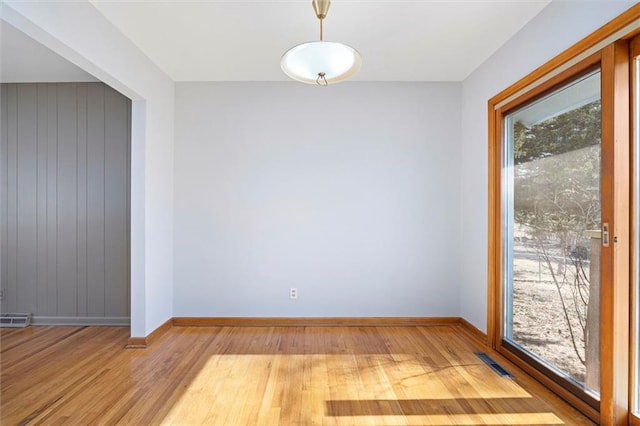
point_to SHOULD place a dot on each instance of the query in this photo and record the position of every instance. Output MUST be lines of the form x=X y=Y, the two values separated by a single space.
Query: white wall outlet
x=293 y=293
x=2 y=293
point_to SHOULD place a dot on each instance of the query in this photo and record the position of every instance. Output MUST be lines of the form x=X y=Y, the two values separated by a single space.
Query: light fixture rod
x=321 y=7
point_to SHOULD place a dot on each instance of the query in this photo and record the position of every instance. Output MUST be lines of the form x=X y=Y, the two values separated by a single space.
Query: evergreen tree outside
x=556 y=201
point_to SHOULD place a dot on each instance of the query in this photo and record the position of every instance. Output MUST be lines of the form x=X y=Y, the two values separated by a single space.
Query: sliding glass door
x=559 y=239
x=564 y=223
x=552 y=233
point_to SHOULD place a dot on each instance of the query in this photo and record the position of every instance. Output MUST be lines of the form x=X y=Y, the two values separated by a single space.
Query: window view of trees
x=556 y=240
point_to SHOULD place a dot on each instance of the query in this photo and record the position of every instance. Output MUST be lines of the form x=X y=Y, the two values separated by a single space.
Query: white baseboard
x=106 y=321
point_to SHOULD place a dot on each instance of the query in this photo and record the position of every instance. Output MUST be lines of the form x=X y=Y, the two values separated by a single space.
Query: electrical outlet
x=293 y=293
x=2 y=293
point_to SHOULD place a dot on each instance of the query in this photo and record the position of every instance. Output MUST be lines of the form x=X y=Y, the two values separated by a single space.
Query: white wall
x=360 y=195
x=349 y=193
x=557 y=27
x=80 y=34
x=24 y=60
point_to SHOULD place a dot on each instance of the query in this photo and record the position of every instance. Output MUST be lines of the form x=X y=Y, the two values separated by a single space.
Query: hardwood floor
x=264 y=376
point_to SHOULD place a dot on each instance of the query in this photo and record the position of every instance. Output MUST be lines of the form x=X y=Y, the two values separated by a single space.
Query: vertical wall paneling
x=41 y=197
x=26 y=167
x=116 y=217
x=65 y=200
x=4 y=165
x=81 y=200
x=128 y=209
x=12 y=196
x=52 y=200
x=95 y=199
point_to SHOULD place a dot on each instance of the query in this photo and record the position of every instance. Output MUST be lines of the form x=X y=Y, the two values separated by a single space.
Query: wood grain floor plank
x=269 y=376
x=12 y=337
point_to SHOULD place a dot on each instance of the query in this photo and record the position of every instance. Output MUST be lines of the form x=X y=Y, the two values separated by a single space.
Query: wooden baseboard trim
x=136 y=343
x=313 y=322
x=163 y=328
x=473 y=332
x=143 y=342
x=467 y=327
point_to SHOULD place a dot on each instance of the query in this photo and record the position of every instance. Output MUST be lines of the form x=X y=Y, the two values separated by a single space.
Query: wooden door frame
x=634 y=52
x=614 y=282
x=609 y=47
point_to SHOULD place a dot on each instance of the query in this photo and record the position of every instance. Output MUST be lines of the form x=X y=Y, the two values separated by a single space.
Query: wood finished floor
x=263 y=376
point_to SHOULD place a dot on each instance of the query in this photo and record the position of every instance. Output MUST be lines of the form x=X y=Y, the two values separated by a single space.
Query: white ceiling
x=213 y=40
x=412 y=40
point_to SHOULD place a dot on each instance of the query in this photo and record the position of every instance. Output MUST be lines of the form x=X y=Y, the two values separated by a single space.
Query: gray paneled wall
x=65 y=202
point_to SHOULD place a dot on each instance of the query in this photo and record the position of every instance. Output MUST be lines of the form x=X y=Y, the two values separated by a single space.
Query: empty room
x=347 y=212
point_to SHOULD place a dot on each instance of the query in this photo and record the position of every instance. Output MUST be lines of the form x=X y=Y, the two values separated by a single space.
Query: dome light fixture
x=321 y=62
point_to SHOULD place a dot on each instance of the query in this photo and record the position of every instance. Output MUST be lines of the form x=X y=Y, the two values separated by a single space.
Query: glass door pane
x=551 y=204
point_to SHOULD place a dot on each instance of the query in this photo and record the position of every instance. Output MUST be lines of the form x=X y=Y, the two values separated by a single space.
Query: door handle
x=605 y=234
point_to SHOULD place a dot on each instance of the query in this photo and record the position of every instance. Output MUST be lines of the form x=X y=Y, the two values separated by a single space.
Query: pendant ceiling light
x=321 y=62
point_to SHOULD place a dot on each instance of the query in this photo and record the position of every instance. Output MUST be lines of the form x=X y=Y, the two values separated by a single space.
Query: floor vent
x=494 y=365
x=15 y=320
